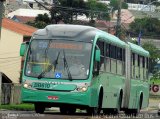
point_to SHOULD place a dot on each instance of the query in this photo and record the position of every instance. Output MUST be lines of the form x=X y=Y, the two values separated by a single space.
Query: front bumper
x=56 y=97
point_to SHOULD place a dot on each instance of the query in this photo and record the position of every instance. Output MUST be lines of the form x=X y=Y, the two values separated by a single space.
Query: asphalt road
x=149 y=113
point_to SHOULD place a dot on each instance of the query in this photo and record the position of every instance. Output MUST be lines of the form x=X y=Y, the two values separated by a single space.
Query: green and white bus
x=74 y=66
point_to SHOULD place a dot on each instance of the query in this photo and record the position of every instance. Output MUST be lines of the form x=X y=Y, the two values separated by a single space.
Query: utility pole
x=118 y=26
x=1 y=15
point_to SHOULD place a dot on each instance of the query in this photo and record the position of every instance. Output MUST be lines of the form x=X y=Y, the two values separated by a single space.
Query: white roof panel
x=28 y=12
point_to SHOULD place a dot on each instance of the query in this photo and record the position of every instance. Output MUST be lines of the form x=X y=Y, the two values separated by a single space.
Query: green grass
x=22 y=107
x=155 y=81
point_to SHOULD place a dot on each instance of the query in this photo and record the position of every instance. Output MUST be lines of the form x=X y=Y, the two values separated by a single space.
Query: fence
x=11 y=93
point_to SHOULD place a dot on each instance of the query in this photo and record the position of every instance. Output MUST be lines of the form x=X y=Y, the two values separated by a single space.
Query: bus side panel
x=145 y=90
x=112 y=84
x=135 y=84
x=138 y=87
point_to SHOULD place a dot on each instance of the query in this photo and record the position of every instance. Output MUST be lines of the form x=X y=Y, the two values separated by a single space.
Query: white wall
x=10 y=61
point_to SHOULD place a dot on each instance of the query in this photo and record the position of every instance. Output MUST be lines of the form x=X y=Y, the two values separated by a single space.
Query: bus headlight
x=27 y=85
x=82 y=89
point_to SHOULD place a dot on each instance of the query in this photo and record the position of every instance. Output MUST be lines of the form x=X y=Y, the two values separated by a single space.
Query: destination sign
x=66 y=46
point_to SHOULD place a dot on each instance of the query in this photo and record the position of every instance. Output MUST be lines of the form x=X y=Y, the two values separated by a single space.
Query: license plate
x=41 y=85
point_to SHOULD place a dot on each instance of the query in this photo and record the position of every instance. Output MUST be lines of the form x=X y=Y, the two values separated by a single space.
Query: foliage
x=148 y=26
x=154 y=54
x=68 y=10
x=40 y=21
x=98 y=10
x=115 y=5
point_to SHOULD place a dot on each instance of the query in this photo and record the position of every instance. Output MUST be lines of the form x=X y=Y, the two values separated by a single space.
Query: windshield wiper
x=55 y=62
x=66 y=66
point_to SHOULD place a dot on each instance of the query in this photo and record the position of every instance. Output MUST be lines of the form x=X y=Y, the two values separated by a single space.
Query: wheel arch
x=140 y=98
x=100 y=94
x=120 y=96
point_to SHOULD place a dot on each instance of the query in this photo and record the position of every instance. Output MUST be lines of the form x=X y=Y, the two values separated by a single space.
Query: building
x=34 y=5
x=23 y=19
x=12 y=35
x=27 y=13
x=12 y=5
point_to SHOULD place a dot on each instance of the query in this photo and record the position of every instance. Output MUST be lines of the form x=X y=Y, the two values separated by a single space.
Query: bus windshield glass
x=58 y=59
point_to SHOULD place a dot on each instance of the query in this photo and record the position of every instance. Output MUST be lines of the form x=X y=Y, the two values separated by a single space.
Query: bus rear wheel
x=133 y=112
x=93 y=111
x=39 y=108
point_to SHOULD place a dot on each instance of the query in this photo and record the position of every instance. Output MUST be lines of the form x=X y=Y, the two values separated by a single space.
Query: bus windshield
x=58 y=59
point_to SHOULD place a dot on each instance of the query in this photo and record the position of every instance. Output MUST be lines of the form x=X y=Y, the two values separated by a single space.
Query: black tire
x=72 y=110
x=89 y=111
x=39 y=108
x=93 y=111
x=159 y=112
x=108 y=111
x=96 y=110
x=64 y=110
x=133 y=112
x=118 y=109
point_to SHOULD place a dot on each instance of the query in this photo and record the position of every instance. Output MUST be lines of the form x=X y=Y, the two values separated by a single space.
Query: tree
x=148 y=26
x=115 y=4
x=154 y=54
x=66 y=10
x=41 y=21
x=97 y=10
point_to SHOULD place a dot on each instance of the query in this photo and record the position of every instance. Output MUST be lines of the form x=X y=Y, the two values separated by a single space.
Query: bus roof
x=82 y=33
x=138 y=50
x=112 y=39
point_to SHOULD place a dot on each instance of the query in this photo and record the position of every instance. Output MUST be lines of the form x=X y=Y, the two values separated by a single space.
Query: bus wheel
x=132 y=112
x=108 y=111
x=89 y=111
x=63 y=110
x=137 y=111
x=39 y=108
x=118 y=109
x=71 y=110
x=93 y=111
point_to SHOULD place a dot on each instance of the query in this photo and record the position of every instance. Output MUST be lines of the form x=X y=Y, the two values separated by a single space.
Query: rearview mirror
x=97 y=56
x=23 y=48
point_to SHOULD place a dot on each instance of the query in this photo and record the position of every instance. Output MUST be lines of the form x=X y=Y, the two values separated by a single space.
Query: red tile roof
x=18 y=27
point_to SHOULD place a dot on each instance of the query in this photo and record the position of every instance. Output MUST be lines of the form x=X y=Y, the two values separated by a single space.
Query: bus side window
x=133 y=65
x=119 y=61
x=136 y=66
x=100 y=44
x=144 y=69
x=123 y=61
x=96 y=64
x=108 y=60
